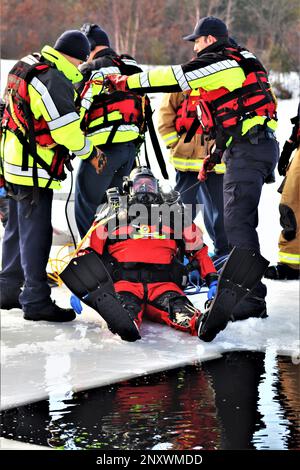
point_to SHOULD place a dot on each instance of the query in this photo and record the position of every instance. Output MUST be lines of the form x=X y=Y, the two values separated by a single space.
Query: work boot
x=282 y=272
x=9 y=298
x=51 y=313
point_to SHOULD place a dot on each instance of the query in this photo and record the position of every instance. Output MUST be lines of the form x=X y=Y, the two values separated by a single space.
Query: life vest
x=226 y=110
x=19 y=119
x=129 y=105
x=223 y=108
x=187 y=112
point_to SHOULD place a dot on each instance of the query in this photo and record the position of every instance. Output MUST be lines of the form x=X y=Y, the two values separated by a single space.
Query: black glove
x=285 y=157
x=2 y=107
x=216 y=156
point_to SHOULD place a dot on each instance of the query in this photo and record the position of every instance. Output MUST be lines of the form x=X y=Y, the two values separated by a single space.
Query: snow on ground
x=41 y=360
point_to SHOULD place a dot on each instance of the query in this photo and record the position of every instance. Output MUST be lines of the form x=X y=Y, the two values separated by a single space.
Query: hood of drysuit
x=62 y=64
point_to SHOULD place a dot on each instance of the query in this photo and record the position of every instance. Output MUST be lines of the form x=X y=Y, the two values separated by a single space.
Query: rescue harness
x=31 y=132
x=226 y=110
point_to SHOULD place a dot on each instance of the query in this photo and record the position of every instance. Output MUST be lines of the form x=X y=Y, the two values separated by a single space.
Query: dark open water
x=245 y=400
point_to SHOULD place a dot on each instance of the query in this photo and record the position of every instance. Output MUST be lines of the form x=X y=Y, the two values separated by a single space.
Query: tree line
x=152 y=30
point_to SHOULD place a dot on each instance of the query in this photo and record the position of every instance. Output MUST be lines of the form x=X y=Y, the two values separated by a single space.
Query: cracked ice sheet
x=41 y=359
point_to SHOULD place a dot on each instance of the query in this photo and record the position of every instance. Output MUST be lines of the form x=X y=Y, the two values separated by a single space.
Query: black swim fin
x=87 y=277
x=240 y=274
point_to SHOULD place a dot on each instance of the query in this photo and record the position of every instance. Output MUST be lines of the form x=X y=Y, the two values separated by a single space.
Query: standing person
x=111 y=121
x=3 y=195
x=239 y=110
x=40 y=127
x=288 y=266
x=176 y=116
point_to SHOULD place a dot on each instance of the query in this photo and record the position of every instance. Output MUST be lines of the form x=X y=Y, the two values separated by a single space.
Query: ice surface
x=41 y=360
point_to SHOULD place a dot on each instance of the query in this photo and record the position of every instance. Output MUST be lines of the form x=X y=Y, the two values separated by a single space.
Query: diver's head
x=143 y=186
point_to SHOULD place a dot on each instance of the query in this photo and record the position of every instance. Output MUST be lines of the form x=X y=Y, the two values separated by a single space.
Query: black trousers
x=247 y=167
x=90 y=187
x=26 y=247
x=210 y=194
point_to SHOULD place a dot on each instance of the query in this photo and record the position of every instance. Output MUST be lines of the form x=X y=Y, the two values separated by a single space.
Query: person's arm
x=196 y=250
x=206 y=72
x=53 y=95
x=167 y=118
x=289 y=146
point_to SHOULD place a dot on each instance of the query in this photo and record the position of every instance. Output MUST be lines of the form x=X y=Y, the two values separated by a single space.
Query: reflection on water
x=245 y=400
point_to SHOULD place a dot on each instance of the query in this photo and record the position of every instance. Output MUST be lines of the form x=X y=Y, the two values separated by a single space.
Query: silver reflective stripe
x=45 y=95
x=129 y=61
x=248 y=55
x=86 y=104
x=99 y=131
x=180 y=77
x=105 y=71
x=17 y=171
x=121 y=128
x=88 y=96
x=63 y=121
x=30 y=59
x=85 y=149
x=128 y=127
x=144 y=79
x=211 y=69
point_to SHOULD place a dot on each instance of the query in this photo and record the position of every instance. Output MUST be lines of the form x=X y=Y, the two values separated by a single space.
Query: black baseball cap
x=206 y=26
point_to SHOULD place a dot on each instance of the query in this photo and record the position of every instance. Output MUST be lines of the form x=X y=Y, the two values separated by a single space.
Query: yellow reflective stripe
x=155 y=235
x=220 y=168
x=170 y=138
x=290 y=258
x=194 y=164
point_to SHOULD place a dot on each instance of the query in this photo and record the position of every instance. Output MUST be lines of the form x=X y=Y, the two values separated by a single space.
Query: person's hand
x=3 y=191
x=207 y=166
x=99 y=161
x=76 y=304
x=116 y=82
x=209 y=163
x=212 y=290
x=285 y=156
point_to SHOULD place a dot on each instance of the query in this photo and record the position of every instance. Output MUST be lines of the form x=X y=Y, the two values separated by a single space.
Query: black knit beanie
x=73 y=43
x=96 y=35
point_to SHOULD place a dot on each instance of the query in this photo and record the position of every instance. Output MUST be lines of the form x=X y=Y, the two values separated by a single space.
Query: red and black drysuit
x=142 y=262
